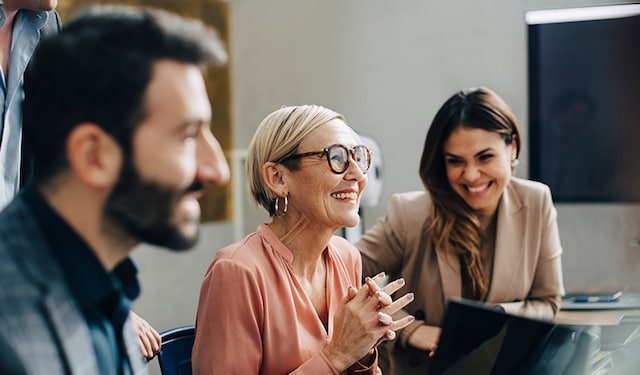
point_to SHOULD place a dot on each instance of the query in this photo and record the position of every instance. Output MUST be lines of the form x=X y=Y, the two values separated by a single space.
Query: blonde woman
x=288 y=298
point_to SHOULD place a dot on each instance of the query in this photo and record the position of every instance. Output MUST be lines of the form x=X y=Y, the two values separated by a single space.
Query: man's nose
x=212 y=164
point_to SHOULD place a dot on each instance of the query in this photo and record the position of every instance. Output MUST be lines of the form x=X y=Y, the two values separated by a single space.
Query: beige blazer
x=527 y=270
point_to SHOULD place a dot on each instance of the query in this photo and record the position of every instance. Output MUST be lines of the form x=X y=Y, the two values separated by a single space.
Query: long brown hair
x=454 y=227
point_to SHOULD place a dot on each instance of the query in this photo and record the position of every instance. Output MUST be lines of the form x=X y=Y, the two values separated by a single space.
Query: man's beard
x=145 y=210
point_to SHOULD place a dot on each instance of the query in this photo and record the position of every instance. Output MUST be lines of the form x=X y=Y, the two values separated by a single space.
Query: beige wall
x=387 y=65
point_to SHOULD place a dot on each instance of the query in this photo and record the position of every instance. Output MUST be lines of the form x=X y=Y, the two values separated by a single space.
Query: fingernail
x=385 y=318
x=381 y=274
x=411 y=318
x=391 y=334
x=410 y=296
x=400 y=281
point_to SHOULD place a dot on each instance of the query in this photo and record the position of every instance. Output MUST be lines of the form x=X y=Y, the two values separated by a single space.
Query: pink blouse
x=254 y=317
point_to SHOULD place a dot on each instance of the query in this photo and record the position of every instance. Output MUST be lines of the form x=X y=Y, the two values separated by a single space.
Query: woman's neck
x=306 y=243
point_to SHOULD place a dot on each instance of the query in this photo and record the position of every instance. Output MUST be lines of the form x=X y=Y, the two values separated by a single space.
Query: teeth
x=476 y=189
x=345 y=195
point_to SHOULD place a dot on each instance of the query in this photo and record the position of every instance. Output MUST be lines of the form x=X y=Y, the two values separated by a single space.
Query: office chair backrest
x=175 y=352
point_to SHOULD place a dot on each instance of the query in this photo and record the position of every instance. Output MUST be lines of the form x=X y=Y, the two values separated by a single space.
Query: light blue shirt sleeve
x=26 y=35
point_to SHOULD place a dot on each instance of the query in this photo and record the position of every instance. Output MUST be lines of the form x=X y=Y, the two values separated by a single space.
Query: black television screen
x=584 y=102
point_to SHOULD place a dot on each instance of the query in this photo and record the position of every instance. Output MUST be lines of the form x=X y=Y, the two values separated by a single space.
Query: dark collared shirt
x=104 y=297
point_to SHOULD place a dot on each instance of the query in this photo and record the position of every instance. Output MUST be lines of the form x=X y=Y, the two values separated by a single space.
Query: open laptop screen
x=478 y=339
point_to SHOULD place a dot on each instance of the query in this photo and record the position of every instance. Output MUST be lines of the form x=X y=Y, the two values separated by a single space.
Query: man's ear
x=94 y=156
x=272 y=174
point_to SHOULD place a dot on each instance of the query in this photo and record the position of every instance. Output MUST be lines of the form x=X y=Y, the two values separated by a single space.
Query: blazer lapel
x=449 y=268
x=72 y=332
x=508 y=255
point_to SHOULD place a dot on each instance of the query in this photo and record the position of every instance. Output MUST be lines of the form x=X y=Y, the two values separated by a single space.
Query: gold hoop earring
x=277 y=207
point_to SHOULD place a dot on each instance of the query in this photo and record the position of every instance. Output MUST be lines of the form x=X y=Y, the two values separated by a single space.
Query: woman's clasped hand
x=365 y=320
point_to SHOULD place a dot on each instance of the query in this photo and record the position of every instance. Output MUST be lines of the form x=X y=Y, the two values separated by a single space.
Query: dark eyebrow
x=483 y=151
x=476 y=155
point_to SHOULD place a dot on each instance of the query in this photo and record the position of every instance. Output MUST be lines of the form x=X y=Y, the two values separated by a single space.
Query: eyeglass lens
x=339 y=158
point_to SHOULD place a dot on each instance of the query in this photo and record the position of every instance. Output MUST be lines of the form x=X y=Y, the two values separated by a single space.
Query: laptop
x=481 y=339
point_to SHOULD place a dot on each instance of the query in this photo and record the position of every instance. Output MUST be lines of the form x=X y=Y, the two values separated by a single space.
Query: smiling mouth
x=345 y=196
x=197 y=195
x=478 y=189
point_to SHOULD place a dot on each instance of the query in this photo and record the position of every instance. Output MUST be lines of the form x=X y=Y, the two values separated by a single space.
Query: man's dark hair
x=97 y=70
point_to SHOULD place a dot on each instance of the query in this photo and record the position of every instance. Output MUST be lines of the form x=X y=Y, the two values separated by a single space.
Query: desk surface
x=599 y=313
x=594 y=317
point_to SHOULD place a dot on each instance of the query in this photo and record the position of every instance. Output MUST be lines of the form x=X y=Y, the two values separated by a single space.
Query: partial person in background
x=288 y=298
x=117 y=117
x=477 y=232
x=22 y=24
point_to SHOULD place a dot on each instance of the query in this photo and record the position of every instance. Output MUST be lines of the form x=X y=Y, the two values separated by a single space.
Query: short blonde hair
x=277 y=137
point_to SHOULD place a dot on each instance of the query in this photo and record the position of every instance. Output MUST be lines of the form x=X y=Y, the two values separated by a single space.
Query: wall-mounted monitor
x=584 y=102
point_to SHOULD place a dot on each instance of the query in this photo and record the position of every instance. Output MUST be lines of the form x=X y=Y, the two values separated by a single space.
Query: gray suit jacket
x=41 y=326
x=527 y=272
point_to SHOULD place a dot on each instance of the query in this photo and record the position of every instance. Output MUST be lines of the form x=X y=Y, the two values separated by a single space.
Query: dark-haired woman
x=477 y=232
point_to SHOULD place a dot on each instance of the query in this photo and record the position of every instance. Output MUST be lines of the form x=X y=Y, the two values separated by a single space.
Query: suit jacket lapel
x=508 y=255
x=74 y=338
x=449 y=267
